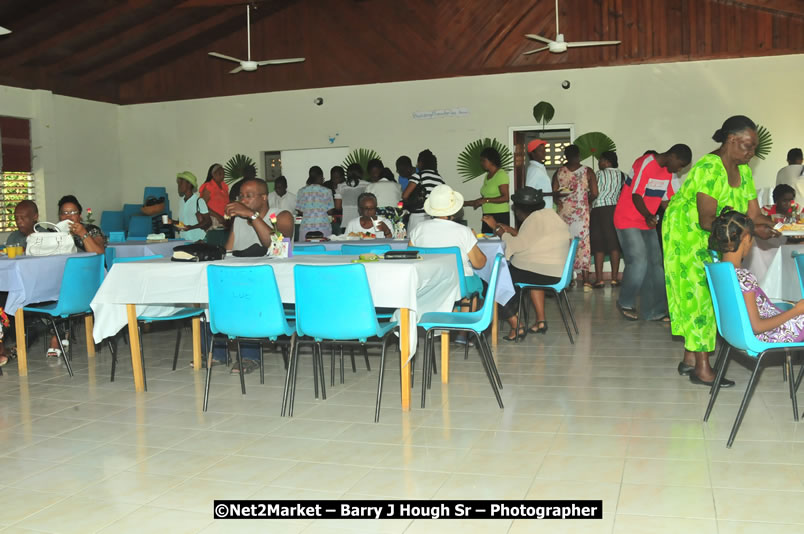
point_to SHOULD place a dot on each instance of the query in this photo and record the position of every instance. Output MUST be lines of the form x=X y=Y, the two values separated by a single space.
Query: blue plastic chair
x=178 y=315
x=559 y=290
x=81 y=279
x=299 y=250
x=130 y=210
x=139 y=227
x=117 y=237
x=245 y=305
x=734 y=326
x=473 y=323
x=353 y=250
x=112 y=221
x=154 y=191
x=334 y=302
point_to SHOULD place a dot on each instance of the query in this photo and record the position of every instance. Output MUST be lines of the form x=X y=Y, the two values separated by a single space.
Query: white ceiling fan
x=559 y=45
x=248 y=65
x=4 y=31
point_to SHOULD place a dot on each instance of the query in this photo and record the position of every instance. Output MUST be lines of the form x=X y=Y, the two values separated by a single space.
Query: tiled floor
x=608 y=418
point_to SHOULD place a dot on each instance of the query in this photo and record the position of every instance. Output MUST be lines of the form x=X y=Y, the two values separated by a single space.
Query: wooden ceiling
x=132 y=51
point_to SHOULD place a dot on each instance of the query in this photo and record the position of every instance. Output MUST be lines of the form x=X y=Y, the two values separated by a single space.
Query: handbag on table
x=50 y=239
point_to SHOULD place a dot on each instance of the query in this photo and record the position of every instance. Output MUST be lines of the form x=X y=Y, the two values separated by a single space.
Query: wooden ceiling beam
x=160 y=45
x=88 y=26
x=98 y=48
x=787 y=7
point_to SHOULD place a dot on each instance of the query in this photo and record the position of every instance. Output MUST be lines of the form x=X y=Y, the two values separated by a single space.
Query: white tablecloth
x=32 y=279
x=490 y=247
x=157 y=286
x=773 y=265
x=130 y=249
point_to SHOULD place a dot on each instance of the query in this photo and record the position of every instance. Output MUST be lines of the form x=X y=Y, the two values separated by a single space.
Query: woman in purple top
x=733 y=234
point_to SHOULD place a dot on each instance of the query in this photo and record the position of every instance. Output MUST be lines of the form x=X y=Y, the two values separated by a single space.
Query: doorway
x=558 y=136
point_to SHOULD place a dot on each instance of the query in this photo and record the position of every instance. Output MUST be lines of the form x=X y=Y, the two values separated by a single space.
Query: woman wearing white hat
x=442 y=231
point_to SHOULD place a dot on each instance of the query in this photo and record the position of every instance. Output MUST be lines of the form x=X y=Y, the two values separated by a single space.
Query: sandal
x=11 y=353
x=4 y=360
x=587 y=287
x=204 y=364
x=53 y=353
x=600 y=284
x=629 y=314
x=521 y=333
x=248 y=367
x=615 y=283
x=540 y=329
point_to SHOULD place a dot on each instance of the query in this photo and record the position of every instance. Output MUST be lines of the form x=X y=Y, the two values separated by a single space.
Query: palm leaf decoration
x=765 y=142
x=469 y=159
x=235 y=168
x=594 y=144
x=360 y=156
x=543 y=112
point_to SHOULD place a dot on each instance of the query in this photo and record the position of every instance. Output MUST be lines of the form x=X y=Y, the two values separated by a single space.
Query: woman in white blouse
x=536 y=254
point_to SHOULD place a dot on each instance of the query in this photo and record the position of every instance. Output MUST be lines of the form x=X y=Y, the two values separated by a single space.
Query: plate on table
x=791 y=229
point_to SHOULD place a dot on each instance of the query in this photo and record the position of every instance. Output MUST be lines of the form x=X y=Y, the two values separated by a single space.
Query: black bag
x=415 y=202
x=254 y=251
x=409 y=254
x=198 y=251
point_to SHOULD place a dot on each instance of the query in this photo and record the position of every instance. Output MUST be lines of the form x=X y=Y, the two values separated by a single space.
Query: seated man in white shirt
x=279 y=199
x=368 y=222
x=252 y=217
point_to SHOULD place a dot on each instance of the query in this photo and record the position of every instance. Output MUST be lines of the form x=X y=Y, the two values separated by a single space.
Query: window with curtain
x=16 y=168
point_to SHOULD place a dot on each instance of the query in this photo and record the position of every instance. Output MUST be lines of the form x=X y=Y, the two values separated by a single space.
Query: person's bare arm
x=556 y=188
x=230 y=240
x=763 y=225
x=409 y=189
x=707 y=210
x=593 y=185
x=639 y=204
x=476 y=258
x=760 y=325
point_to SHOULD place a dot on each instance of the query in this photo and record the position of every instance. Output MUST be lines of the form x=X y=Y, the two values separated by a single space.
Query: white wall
x=106 y=154
x=640 y=107
x=75 y=147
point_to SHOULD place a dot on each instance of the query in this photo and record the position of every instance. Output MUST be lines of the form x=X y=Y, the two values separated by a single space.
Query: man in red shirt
x=635 y=221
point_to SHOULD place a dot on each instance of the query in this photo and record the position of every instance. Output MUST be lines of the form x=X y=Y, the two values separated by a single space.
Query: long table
x=29 y=280
x=773 y=264
x=130 y=249
x=157 y=287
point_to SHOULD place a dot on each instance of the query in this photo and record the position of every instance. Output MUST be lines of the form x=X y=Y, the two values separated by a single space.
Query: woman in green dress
x=494 y=192
x=720 y=179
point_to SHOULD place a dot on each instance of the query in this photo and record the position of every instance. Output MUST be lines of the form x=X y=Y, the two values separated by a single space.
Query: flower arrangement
x=397 y=216
x=89 y=217
x=279 y=245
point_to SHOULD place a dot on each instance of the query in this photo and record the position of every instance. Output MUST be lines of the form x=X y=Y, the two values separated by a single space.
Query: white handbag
x=50 y=239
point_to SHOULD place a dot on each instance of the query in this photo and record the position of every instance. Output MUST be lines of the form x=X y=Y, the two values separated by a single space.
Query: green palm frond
x=765 y=142
x=594 y=144
x=469 y=166
x=235 y=168
x=360 y=156
x=543 y=112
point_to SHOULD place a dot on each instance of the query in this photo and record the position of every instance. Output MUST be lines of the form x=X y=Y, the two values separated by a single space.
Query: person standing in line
x=537 y=176
x=602 y=234
x=577 y=184
x=635 y=221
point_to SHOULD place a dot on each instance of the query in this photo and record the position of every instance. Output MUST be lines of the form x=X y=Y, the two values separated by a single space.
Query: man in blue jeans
x=635 y=221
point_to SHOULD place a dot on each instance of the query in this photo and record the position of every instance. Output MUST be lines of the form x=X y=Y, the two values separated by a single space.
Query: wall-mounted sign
x=441 y=113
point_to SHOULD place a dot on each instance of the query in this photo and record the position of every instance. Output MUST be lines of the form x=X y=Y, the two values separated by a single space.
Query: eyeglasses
x=73 y=212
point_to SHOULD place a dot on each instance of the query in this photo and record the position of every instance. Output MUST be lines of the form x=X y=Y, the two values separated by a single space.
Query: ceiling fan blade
x=529 y=52
x=4 y=31
x=221 y=56
x=281 y=61
x=236 y=70
x=538 y=38
x=592 y=43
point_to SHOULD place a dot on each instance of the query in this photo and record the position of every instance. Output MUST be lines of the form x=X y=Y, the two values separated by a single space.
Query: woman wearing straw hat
x=442 y=231
x=536 y=254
